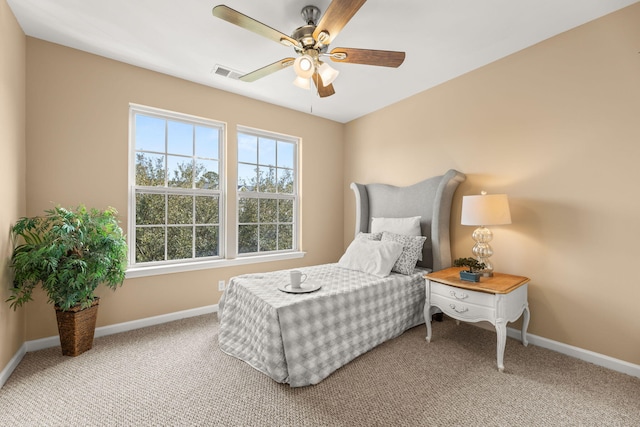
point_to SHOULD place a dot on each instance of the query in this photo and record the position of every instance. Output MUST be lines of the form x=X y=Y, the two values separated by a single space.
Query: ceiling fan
x=311 y=44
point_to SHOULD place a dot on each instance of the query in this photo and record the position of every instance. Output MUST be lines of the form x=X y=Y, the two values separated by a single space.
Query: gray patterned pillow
x=411 y=250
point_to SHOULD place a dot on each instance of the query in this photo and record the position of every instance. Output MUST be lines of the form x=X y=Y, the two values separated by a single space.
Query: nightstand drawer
x=462 y=295
x=463 y=310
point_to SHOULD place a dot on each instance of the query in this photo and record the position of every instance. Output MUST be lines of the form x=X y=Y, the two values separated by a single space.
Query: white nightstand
x=498 y=300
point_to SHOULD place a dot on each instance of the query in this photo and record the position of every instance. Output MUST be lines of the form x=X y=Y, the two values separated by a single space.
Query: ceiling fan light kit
x=306 y=66
x=311 y=42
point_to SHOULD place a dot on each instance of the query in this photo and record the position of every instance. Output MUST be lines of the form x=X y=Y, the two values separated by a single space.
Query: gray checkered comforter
x=300 y=339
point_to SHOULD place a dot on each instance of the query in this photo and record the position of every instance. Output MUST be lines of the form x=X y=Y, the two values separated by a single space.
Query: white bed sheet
x=300 y=339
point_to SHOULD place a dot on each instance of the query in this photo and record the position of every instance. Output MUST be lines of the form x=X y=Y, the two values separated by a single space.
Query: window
x=267 y=192
x=178 y=217
x=177 y=201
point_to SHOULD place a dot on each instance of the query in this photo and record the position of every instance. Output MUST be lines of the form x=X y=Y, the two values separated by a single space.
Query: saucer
x=303 y=289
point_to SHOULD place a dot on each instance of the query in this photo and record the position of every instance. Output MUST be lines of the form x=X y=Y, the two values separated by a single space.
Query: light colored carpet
x=175 y=375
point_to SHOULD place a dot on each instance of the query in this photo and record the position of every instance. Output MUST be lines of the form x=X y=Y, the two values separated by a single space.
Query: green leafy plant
x=69 y=252
x=472 y=264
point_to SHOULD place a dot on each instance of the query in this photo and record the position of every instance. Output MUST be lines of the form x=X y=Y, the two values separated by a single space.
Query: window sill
x=133 y=272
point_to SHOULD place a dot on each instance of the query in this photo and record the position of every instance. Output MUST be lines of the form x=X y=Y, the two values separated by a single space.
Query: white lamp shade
x=485 y=209
x=327 y=73
x=303 y=66
x=302 y=83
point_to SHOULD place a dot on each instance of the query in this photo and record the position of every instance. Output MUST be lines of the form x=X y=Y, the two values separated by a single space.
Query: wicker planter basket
x=76 y=328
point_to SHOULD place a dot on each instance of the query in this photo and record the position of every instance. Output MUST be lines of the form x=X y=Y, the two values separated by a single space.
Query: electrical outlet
x=221 y=285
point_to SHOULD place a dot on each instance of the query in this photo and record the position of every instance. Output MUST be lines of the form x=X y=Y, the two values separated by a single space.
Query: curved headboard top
x=430 y=199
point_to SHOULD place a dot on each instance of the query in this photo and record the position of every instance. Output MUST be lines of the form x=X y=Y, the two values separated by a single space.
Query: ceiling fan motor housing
x=305 y=36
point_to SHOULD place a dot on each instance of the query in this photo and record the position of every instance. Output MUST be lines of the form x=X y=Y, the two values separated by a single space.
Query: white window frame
x=295 y=196
x=135 y=189
x=227 y=250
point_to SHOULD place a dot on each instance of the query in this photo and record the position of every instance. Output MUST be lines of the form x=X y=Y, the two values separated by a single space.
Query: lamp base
x=482 y=250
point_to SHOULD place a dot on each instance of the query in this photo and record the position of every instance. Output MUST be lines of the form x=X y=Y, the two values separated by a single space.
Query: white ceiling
x=442 y=39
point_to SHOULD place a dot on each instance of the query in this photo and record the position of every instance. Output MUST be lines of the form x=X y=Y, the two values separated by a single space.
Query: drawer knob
x=457 y=295
x=462 y=310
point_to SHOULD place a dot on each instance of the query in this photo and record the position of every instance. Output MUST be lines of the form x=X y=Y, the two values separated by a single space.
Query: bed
x=300 y=339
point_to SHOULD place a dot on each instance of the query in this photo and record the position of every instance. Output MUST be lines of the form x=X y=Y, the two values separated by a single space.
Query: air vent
x=222 y=71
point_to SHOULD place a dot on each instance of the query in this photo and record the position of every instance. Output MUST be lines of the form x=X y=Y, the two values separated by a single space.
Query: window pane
x=207 y=174
x=180 y=138
x=266 y=166
x=180 y=209
x=206 y=241
x=149 y=244
x=285 y=213
x=247 y=177
x=149 y=133
x=207 y=210
x=150 y=169
x=179 y=242
x=268 y=237
x=267 y=180
x=247 y=148
x=285 y=181
x=248 y=210
x=180 y=158
x=207 y=142
x=267 y=152
x=285 y=237
x=247 y=239
x=286 y=154
x=180 y=171
x=268 y=210
x=149 y=209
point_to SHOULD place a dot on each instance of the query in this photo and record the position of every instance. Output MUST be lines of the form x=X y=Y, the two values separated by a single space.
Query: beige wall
x=557 y=128
x=12 y=172
x=77 y=152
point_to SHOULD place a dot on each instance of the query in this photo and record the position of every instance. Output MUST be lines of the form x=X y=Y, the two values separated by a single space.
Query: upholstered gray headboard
x=430 y=199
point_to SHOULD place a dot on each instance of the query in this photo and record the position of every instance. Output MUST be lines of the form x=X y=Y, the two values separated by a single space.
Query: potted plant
x=473 y=271
x=69 y=252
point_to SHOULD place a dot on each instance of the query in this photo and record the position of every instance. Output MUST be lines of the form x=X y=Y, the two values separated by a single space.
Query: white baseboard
x=13 y=364
x=102 y=331
x=580 y=353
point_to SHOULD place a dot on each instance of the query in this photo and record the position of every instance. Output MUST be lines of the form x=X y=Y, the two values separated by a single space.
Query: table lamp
x=482 y=210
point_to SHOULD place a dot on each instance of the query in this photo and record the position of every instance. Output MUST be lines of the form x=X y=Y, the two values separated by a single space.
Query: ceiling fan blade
x=237 y=18
x=265 y=71
x=384 y=58
x=323 y=91
x=336 y=17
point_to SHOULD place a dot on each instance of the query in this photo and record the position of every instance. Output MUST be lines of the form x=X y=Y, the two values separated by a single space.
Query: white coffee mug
x=297 y=278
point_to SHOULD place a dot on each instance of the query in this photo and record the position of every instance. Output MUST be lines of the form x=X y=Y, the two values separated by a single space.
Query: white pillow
x=371 y=256
x=407 y=226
